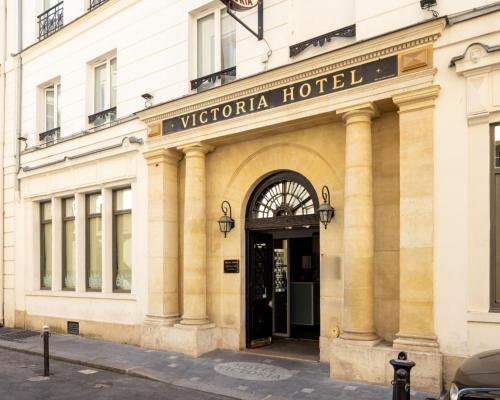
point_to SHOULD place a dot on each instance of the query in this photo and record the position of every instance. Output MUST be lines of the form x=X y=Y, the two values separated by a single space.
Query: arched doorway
x=282 y=281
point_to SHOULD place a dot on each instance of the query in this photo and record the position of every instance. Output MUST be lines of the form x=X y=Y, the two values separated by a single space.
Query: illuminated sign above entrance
x=241 y=5
x=299 y=91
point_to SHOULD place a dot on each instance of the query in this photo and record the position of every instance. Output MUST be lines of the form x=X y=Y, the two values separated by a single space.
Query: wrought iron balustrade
x=96 y=3
x=50 y=136
x=212 y=78
x=50 y=21
x=102 y=117
x=348 y=31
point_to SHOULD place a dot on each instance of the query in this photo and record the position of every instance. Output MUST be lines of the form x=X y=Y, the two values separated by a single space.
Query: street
x=21 y=379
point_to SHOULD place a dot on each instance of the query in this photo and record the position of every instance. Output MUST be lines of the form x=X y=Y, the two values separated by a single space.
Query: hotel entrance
x=283 y=271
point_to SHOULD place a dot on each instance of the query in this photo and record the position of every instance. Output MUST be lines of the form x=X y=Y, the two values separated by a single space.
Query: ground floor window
x=122 y=239
x=69 y=244
x=94 y=242
x=46 y=245
x=495 y=219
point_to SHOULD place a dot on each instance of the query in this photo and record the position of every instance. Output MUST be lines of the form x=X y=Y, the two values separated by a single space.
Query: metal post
x=45 y=335
x=401 y=382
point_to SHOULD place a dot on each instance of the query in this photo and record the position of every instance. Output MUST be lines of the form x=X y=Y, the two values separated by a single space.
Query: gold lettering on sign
x=305 y=93
x=193 y=119
x=262 y=103
x=353 y=78
x=185 y=121
x=252 y=108
x=288 y=93
x=203 y=117
x=337 y=81
x=321 y=83
x=227 y=110
x=214 y=112
x=240 y=107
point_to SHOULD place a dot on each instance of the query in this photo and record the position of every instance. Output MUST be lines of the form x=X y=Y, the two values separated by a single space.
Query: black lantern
x=226 y=223
x=326 y=211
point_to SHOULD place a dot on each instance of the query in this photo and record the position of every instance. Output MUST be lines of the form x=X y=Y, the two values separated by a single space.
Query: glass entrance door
x=281 y=289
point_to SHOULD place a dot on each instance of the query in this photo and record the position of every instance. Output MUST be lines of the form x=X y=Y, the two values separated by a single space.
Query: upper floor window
x=215 y=50
x=51 y=113
x=51 y=19
x=46 y=245
x=104 y=93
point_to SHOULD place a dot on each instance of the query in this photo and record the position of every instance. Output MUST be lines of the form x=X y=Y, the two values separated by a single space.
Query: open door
x=260 y=290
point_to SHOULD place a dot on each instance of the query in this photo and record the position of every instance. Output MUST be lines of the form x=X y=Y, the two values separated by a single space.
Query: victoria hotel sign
x=299 y=91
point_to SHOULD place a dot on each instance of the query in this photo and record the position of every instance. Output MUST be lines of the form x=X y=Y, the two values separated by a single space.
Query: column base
x=151 y=328
x=354 y=361
x=369 y=337
x=416 y=343
x=192 y=340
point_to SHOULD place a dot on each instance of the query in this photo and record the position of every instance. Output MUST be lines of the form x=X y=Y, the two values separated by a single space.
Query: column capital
x=419 y=99
x=196 y=148
x=159 y=156
x=365 y=111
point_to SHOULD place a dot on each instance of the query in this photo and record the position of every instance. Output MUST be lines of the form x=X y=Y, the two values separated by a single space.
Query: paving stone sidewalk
x=234 y=374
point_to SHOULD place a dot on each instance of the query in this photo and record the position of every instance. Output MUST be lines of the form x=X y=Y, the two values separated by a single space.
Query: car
x=477 y=378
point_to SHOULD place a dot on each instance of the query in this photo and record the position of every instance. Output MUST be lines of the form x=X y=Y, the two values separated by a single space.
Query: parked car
x=477 y=378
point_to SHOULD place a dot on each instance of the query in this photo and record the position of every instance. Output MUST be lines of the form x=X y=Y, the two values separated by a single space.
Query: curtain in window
x=206 y=43
x=228 y=40
x=47 y=256
x=112 y=101
x=70 y=255
x=123 y=278
x=100 y=88
x=49 y=109
x=58 y=94
x=95 y=254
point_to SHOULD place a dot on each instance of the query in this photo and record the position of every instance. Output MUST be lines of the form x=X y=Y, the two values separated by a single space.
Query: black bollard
x=401 y=383
x=45 y=335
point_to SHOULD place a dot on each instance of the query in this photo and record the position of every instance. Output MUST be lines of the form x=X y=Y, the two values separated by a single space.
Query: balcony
x=96 y=3
x=208 y=81
x=50 y=21
x=103 y=117
x=50 y=136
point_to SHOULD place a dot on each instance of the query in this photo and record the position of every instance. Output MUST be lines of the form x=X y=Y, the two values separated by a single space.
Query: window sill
x=83 y=295
x=484 y=317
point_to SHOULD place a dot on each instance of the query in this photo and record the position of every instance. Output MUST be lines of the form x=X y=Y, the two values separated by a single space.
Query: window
x=51 y=114
x=216 y=45
x=94 y=241
x=46 y=245
x=104 y=93
x=495 y=219
x=122 y=239
x=51 y=19
x=69 y=244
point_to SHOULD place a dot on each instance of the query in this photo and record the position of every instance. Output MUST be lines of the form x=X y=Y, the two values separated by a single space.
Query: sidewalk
x=234 y=374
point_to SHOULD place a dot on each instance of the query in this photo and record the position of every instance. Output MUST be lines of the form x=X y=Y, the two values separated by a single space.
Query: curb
x=132 y=371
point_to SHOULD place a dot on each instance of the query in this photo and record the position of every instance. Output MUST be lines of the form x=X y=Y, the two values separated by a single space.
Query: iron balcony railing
x=50 y=136
x=50 y=21
x=96 y=3
x=226 y=75
x=102 y=117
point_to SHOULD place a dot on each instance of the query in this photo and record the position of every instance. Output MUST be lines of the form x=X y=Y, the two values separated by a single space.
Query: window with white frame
x=46 y=245
x=68 y=244
x=215 y=49
x=94 y=242
x=122 y=239
x=52 y=112
x=104 y=100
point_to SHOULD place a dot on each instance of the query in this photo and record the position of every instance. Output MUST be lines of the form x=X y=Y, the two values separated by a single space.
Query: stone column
x=416 y=130
x=195 y=241
x=163 y=265
x=357 y=319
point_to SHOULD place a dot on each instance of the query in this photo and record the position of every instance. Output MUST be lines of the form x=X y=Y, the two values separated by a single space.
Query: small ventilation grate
x=73 y=328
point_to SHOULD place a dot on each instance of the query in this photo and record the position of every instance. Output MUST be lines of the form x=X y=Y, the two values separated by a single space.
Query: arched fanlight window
x=283 y=198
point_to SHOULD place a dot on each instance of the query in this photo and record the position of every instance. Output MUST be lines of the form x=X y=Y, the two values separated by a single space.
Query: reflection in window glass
x=206 y=43
x=69 y=244
x=228 y=43
x=100 y=88
x=122 y=239
x=46 y=245
x=49 y=109
x=94 y=242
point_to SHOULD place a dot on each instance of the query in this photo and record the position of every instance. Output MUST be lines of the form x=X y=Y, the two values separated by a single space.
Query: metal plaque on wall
x=231 y=266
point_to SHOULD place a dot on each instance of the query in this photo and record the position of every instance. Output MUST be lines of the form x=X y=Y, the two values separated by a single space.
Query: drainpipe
x=19 y=89
x=3 y=77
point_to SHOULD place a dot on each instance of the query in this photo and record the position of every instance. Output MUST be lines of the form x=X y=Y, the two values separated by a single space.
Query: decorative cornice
x=486 y=48
x=390 y=50
x=156 y=156
x=417 y=99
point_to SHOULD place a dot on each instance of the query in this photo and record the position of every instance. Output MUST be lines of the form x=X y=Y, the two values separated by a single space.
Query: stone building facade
x=125 y=141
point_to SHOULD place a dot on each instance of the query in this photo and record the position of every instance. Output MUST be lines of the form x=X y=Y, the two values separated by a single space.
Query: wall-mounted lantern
x=326 y=211
x=226 y=222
